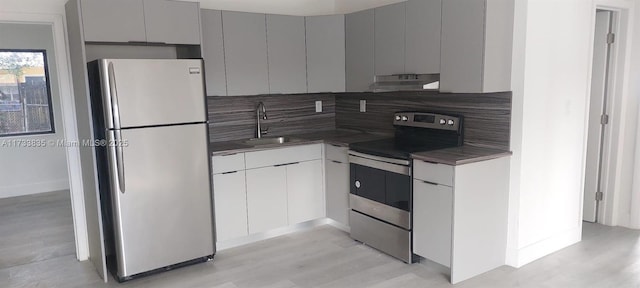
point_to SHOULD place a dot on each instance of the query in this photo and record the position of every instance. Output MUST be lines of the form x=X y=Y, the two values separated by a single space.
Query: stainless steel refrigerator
x=150 y=127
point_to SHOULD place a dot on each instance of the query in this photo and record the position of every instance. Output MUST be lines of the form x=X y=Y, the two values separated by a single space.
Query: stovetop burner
x=415 y=132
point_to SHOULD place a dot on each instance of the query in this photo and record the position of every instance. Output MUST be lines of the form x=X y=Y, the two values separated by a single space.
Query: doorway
x=603 y=47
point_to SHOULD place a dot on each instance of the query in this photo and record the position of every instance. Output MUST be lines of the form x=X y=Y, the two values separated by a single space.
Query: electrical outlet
x=319 y=106
x=363 y=105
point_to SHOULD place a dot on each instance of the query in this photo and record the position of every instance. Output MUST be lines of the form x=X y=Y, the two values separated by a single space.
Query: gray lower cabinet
x=422 y=36
x=390 y=39
x=113 y=21
x=172 y=22
x=213 y=52
x=476 y=44
x=245 y=50
x=286 y=54
x=359 y=29
x=325 y=53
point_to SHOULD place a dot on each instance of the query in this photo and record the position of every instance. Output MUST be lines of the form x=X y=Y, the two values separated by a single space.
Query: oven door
x=381 y=188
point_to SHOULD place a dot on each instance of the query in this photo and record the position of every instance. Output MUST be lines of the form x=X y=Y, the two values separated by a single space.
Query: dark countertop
x=451 y=156
x=337 y=137
x=460 y=155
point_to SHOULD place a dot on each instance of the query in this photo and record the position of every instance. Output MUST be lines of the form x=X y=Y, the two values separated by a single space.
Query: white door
x=337 y=183
x=266 y=198
x=304 y=191
x=230 y=196
x=598 y=107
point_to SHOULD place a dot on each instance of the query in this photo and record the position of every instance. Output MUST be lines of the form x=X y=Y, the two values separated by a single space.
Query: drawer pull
x=430 y=183
x=230 y=172
x=335 y=161
x=287 y=164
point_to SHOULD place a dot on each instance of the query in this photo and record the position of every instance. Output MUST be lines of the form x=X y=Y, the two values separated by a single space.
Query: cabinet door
x=266 y=198
x=245 y=50
x=213 y=52
x=113 y=20
x=305 y=191
x=432 y=219
x=359 y=50
x=325 y=53
x=337 y=187
x=462 y=46
x=287 y=54
x=172 y=22
x=389 y=39
x=230 y=197
x=422 y=39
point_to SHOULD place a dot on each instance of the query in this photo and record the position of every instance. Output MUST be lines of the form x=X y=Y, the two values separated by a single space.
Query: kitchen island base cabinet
x=266 y=198
x=476 y=206
x=231 y=205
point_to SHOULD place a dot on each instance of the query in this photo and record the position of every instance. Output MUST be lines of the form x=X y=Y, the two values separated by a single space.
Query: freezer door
x=164 y=214
x=151 y=92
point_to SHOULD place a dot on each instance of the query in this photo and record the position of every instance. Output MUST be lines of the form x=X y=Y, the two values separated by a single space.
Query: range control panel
x=427 y=120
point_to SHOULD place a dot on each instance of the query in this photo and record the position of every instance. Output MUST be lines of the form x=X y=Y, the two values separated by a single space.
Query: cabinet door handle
x=287 y=164
x=430 y=183
x=230 y=172
x=334 y=161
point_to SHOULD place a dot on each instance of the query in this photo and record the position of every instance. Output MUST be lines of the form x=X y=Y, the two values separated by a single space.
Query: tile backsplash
x=487 y=116
x=234 y=117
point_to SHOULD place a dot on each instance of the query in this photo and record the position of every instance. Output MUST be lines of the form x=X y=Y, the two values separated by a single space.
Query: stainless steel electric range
x=381 y=191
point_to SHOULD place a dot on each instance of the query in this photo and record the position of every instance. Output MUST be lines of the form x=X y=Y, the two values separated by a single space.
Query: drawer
x=433 y=172
x=283 y=156
x=336 y=153
x=227 y=163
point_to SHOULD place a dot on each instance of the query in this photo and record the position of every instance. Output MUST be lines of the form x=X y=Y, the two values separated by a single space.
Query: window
x=25 y=93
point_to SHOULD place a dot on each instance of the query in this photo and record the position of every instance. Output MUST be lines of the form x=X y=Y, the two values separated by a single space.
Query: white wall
x=27 y=170
x=551 y=80
x=348 y=6
x=634 y=92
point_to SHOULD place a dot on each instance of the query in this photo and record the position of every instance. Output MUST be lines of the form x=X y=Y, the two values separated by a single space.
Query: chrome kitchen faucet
x=261 y=109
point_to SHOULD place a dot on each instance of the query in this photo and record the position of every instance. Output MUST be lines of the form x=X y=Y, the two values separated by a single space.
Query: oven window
x=386 y=187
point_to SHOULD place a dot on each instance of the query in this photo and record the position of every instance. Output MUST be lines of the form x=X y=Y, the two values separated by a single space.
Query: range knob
x=398 y=118
x=442 y=121
x=450 y=122
x=405 y=118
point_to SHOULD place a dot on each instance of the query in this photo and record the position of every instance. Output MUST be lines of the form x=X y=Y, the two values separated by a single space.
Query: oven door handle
x=389 y=167
x=378 y=158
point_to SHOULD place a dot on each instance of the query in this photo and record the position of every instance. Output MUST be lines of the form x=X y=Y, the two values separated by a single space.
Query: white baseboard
x=547 y=246
x=33 y=188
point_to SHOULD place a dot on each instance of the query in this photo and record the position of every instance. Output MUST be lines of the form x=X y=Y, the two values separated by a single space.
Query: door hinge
x=599 y=196
x=604 y=119
x=611 y=38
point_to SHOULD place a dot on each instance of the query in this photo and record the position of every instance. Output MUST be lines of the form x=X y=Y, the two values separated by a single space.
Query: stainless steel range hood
x=406 y=82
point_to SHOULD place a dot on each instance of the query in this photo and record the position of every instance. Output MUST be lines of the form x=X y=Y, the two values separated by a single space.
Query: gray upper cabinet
x=286 y=54
x=113 y=20
x=359 y=50
x=389 y=39
x=172 y=22
x=245 y=49
x=213 y=52
x=422 y=38
x=325 y=53
x=476 y=46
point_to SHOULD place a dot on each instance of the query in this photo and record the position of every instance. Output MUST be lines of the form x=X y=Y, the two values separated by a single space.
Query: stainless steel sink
x=269 y=141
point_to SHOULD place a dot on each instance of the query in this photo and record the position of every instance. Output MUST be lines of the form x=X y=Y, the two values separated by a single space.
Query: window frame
x=49 y=96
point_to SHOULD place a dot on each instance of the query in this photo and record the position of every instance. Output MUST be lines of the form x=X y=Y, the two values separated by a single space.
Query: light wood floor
x=327 y=257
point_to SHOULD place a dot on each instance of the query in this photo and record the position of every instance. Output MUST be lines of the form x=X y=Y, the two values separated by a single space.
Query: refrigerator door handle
x=119 y=159
x=113 y=90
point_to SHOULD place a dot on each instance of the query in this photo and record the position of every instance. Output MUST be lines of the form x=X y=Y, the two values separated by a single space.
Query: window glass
x=25 y=94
